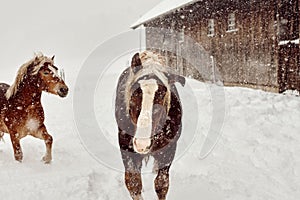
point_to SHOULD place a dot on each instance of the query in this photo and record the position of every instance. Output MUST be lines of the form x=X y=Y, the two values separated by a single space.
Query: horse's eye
x=46 y=72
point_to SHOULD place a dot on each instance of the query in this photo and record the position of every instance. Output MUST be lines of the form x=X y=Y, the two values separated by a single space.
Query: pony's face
x=52 y=81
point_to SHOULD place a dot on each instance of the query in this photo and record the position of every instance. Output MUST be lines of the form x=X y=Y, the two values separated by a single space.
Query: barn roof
x=162 y=8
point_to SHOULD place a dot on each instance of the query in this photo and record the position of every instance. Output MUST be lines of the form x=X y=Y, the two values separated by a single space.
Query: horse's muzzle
x=142 y=145
x=63 y=91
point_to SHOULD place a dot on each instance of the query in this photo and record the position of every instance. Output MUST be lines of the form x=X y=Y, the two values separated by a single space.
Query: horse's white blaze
x=155 y=69
x=54 y=71
x=142 y=139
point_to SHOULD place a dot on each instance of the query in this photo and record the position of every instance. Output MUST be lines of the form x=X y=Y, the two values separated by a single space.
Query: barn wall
x=246 y=57
x=289 y=61
x=155 y=38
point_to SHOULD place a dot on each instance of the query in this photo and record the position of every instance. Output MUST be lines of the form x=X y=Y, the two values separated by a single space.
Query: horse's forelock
x=39 y=61
x=151 y=58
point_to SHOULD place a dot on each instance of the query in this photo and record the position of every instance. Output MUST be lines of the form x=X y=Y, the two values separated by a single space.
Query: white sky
x=71 y=29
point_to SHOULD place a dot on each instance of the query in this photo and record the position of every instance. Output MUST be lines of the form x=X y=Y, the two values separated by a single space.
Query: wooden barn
x=253 y=43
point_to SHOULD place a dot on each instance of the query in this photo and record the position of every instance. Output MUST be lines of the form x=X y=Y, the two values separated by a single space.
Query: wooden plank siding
x=249 y=56
x=289 y=63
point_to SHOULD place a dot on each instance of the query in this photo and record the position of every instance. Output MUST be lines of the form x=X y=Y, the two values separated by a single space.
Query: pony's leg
x=44 y=135
x=164 y=160
x=133 y=179
x=15 y=140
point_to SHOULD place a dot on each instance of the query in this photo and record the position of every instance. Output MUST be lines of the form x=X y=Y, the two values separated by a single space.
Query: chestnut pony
x=21 y=111
x=148 y=113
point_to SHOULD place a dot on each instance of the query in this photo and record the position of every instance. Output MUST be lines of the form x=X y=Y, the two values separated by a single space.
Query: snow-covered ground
x=257 y=155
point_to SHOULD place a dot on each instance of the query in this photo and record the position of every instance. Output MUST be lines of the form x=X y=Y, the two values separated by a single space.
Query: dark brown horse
x=148 y=113
x=21 y=111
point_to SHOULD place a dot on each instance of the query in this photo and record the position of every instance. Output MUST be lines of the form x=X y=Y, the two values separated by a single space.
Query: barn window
x=284 y=29
x=211 y=28
x=231 y=23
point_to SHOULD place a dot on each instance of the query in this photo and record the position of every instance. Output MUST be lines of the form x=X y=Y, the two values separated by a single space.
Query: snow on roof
x=162 y=8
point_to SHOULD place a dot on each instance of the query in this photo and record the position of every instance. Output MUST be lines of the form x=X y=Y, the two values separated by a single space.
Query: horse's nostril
x=142 y=145
x=63 y=90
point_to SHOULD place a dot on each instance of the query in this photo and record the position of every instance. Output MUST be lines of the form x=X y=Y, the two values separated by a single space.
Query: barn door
x=289 y=67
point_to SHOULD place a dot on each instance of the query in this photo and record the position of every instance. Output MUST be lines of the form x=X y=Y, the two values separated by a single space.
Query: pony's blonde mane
x=152 y=64
x=37 y=62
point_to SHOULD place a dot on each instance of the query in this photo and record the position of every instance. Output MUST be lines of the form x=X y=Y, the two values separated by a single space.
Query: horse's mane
x=37 y=62
x=152 y=64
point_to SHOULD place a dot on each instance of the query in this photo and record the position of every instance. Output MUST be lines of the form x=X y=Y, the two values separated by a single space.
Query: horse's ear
x=173 y=78
x=36 y=60
x=136 y=63
x=53 y=57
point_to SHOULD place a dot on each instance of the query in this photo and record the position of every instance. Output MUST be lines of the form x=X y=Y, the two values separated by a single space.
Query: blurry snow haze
x=256 y=157
x=69 y=29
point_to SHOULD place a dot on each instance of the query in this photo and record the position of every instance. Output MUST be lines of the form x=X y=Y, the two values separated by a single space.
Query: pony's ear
x=36 y=60
x=53 y=57
x=136 y=63
x=173 y=78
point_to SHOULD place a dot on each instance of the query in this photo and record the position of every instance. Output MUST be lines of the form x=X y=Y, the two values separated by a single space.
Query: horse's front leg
x=134 y=185
x=133 y=178
x=162 y=183
x=44 y=135
x=163 y=160
x=15 y=140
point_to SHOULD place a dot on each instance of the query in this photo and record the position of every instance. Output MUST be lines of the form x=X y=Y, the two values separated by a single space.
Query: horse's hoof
x=46 y=159
x=19 y=158
x=137 y=197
